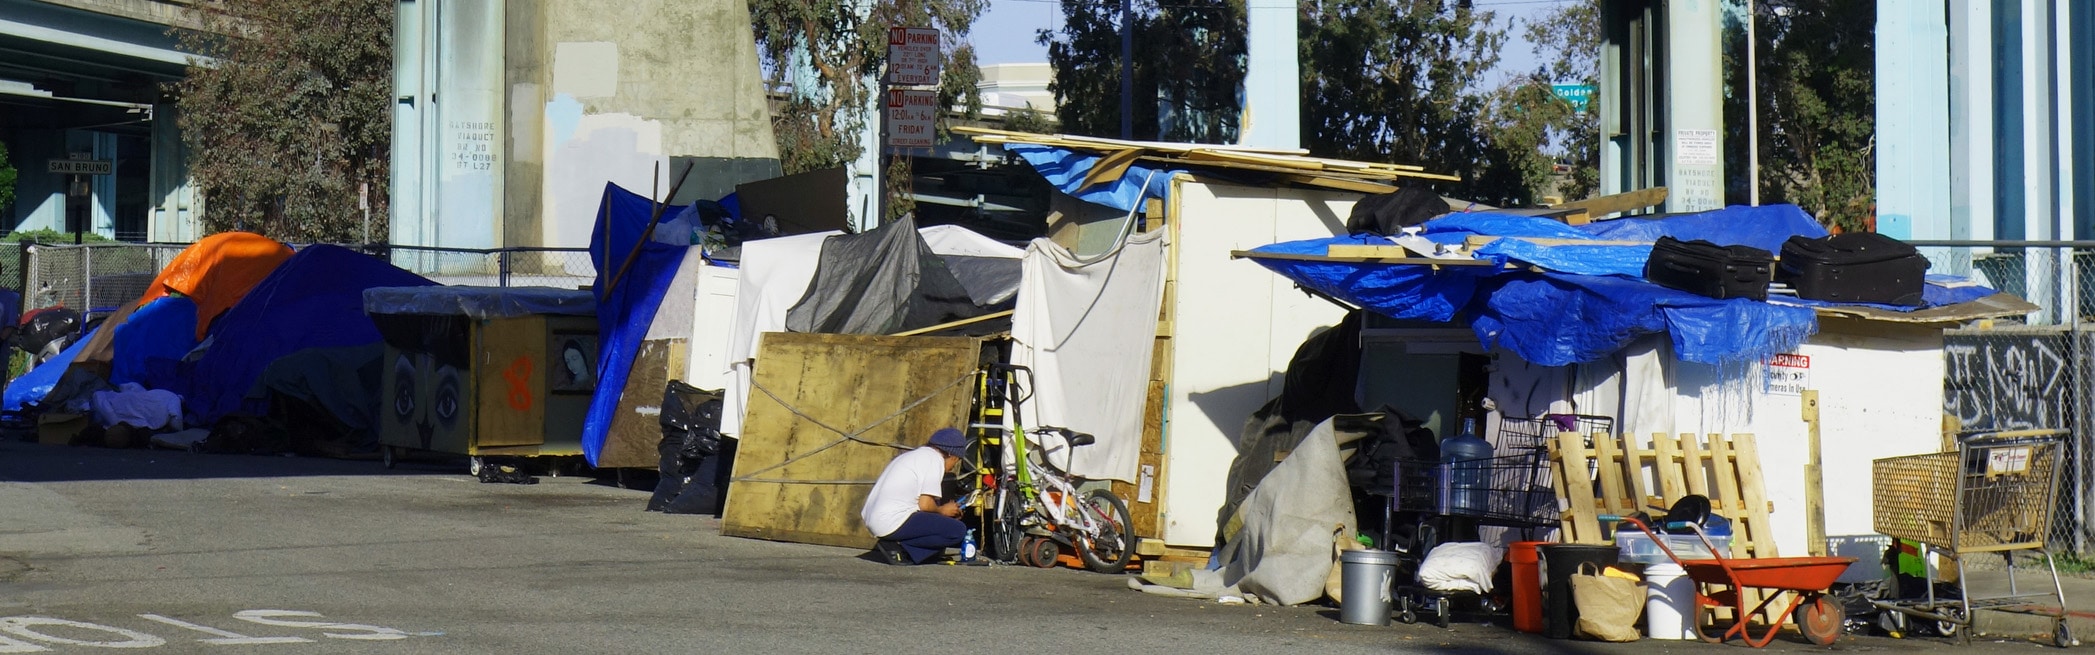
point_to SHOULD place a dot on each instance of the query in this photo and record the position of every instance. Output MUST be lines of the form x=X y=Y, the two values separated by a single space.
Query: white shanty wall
x=712 y=323
x=1235 y=325
x=1880 y=395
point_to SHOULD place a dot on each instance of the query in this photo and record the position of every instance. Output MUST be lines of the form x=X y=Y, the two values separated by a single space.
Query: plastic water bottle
x=967 y=546
x=1468 y=477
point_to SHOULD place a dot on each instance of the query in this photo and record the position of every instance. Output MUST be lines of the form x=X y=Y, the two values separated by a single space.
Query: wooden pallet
x=1629 y=475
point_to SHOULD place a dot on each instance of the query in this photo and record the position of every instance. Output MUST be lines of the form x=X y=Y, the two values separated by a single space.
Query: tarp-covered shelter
x=890 y=280
x=633 y=275
x=315 y=300
x=1545 y=318
x=213 y=274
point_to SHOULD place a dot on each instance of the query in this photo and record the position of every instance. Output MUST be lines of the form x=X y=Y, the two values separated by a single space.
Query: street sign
x=1577 y=94
x=910 y=113
x=81 y=166
x=912 y=56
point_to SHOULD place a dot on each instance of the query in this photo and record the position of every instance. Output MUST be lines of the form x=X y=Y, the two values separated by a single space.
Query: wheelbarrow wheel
x=1820 y=620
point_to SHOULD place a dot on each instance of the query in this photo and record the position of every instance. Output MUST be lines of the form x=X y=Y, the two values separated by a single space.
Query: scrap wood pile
x=1289 y=166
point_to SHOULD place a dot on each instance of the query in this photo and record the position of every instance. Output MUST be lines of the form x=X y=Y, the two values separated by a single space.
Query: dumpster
x=484 y=371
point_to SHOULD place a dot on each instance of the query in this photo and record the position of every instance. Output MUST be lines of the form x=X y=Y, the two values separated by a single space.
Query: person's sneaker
x=892 y=552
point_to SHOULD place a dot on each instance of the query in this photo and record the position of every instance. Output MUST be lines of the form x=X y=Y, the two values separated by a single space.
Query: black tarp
x=888 y=280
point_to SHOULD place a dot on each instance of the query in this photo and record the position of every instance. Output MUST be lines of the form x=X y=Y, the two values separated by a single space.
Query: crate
x=1984 y=497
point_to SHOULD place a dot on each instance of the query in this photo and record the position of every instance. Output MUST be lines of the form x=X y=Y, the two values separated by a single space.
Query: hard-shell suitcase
x=1708 y=269
x=1856 y=267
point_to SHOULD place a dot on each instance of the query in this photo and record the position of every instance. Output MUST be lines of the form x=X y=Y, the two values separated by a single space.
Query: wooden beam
x=1814 y=480
x=1340 y=183
x=1110 y=168
x=953 y=324
x=1621 y=202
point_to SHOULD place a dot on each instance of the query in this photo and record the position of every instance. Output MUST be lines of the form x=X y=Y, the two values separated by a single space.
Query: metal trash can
x=1366 y=577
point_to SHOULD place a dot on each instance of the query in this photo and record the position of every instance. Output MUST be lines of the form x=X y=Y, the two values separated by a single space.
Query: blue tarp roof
x=314 y=300
x=1588 y=301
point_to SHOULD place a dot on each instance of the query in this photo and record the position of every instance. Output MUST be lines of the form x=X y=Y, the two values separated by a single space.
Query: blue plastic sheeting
x=163 y=329
x=1066 y=170
x=1555 y=319
x=314 y=300
x=624 y=313
x=1941 y=290
x=9 y=300
x=1592 y=301
x=1764 y=227
x=34 y=385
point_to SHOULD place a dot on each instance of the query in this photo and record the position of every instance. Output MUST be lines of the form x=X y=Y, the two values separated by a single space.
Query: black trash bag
x=44 y=327
x=1387 y=214
x=690 y=439
x=504 y=471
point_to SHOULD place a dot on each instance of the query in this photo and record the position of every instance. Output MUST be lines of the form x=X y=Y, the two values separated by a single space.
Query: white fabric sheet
x=1087 y=331
x=138 y=406
x=775 y=274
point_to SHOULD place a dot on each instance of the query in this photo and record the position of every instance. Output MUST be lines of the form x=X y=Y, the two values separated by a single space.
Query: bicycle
x=1038 y=510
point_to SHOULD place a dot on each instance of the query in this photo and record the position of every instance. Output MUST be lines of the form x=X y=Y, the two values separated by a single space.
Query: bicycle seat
x=1074 y=437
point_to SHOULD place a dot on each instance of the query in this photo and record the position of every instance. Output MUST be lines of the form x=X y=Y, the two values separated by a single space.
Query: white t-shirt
x=894 y=497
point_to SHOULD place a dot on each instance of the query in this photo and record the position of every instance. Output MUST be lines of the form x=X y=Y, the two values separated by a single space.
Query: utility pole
x=1127 y=69
x=1752 y=108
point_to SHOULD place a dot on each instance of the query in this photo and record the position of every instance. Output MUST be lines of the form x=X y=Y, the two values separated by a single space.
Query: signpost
x=910 y=114
x=912 y=56
x=80 y=166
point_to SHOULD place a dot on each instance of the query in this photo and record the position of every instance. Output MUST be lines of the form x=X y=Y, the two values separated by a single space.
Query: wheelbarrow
x=1819 y=617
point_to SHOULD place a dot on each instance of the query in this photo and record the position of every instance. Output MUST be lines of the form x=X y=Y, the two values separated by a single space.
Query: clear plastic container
x=1637 y=548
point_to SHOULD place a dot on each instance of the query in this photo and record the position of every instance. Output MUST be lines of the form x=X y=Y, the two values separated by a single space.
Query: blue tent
x=38 y=382
x=314 y=300
x=625 y=304
x=1564 y=302
x=163 y=329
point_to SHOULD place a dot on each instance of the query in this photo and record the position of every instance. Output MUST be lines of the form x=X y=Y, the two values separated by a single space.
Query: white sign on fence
x=912 y=56
x=910 y=113
x=80 y=166
x=1788 y=374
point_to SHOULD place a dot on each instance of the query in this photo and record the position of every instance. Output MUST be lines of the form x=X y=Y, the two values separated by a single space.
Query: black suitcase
x=1708 y=269
x=1857 y=267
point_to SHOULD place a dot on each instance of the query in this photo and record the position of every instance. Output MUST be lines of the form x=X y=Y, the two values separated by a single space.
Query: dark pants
x=928 y=534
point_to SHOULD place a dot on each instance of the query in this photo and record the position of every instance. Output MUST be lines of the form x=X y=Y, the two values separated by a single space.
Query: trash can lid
x=1368 y=557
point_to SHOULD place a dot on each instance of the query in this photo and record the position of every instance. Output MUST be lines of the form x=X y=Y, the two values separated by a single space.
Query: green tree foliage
x=289 y=129
x=1189 y=59
x=7 y=179
x=843 y=44
x=1817 y=108
x=1569 y=36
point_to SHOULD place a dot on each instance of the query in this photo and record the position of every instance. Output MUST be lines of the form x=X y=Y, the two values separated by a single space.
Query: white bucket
x=1669 y=602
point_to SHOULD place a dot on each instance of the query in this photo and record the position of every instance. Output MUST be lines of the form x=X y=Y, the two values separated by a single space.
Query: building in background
x=82 y=80
x=1005 y=87
x=511 y=115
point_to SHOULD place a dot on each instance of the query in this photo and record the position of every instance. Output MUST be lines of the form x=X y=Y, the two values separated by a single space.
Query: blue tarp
x=1589 y=301
x=1066 y=170
x=626 y=310
x=163 y=329
x=314 y=300
x=32 y=386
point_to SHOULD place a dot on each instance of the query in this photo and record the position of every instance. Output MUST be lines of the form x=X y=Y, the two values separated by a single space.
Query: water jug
x=1469 y=476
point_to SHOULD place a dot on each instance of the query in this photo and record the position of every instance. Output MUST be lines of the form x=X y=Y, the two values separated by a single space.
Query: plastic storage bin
x=1637 y=548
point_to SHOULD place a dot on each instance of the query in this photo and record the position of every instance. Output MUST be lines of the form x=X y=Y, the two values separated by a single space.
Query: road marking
x=223 y=637
x=25 y=627
x=271 y=617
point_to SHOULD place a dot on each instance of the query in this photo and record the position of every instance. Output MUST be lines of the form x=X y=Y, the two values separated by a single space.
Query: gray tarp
x=479 y=302
x=889 y=280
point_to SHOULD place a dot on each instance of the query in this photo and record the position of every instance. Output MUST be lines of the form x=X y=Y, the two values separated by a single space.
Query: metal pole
x=1752 y=108
x=1127 y=69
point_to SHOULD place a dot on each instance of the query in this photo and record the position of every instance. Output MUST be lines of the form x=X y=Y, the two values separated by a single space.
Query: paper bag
x=1608 y=606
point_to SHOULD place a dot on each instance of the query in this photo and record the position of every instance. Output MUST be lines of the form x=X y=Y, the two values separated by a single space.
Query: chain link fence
x=2031 y=372
x=101 y=278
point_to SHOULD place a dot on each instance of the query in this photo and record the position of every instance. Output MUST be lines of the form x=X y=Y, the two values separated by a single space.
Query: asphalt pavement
x=171 y=552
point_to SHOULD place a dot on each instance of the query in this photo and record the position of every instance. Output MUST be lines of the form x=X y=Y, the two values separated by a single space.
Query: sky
x=1004 y=33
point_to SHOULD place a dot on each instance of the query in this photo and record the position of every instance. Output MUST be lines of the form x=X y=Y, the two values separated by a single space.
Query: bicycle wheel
x=1114 y=547
x=1005 y=532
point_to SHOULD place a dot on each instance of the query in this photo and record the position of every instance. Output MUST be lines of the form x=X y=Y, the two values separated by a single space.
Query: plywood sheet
x=797 y=477
x=509 y=384
x=635 y=427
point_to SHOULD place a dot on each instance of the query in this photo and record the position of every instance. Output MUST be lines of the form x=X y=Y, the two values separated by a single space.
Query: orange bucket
x=1527 y=585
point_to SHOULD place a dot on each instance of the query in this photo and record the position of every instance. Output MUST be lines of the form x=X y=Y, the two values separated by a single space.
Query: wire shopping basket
x=1994 y=493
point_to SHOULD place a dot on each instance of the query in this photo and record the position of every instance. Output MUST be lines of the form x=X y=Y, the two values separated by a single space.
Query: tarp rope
x=843 y=436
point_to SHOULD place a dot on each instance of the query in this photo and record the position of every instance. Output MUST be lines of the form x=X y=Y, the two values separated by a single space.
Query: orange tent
x=215 y=273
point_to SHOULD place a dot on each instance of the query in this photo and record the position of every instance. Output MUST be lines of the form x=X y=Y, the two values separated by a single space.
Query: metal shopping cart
x=1511 y=491
x=1993 y=494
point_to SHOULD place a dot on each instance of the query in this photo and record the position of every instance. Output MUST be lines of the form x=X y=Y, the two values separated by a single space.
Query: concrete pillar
x=1694 y=106
x=1273 y=84
x=1971 y=214
x=1913 y=124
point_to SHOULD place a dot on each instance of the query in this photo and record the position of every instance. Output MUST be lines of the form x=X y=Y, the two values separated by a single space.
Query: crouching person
x=903 y=510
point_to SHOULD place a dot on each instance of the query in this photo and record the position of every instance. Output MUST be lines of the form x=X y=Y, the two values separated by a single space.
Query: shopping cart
x=1510 y=491
x=1993 y=494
